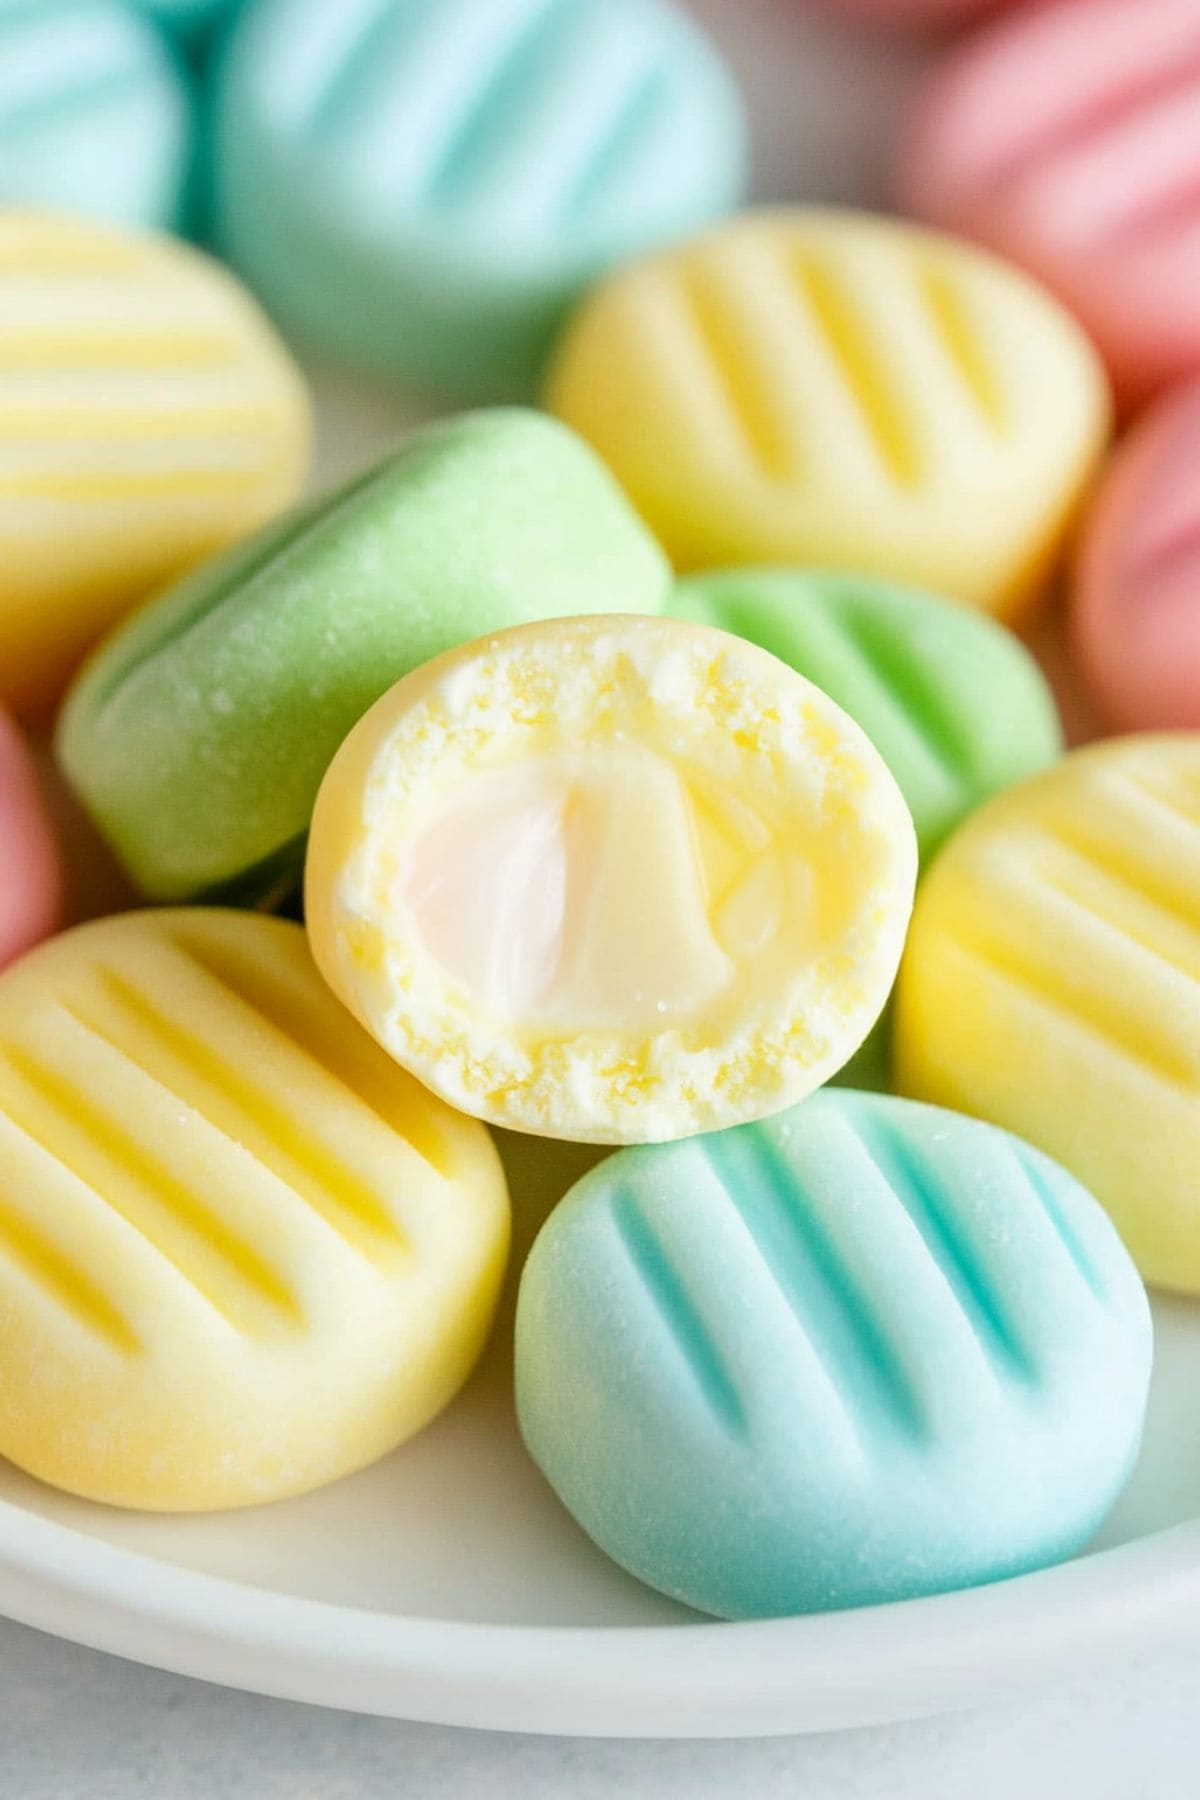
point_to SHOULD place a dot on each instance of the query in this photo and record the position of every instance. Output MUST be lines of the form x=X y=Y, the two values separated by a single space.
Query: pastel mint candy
x=423 y=187
x=860 y=1352
x=953 y=702
x=95 y=115
x=198 y=734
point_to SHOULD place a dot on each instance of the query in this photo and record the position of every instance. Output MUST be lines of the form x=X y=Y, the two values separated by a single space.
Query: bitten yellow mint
x=241 y=1253
x=614 y=879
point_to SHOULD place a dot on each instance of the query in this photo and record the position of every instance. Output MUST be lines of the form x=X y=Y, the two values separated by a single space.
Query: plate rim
x=817 y=1672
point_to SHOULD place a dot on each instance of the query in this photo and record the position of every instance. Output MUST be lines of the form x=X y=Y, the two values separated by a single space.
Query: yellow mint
x=671 y=900
x=149 y=416
x=834 y=389
x=1052 y=982
x=241 y=1253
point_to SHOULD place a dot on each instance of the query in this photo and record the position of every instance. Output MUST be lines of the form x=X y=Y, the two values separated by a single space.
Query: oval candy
x=1051 y=983
x=841 y=390
x=241 y=1254
x=1067 y=136
x=861 y=1352
x=467 y=168
x=148 y=416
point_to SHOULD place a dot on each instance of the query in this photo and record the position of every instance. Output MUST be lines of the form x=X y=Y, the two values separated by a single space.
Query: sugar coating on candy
x=467 y=166
x=95 y=117
x=830 y=388
x=241 y=1253
x=199 y=734
x=955 y=705
x=30 y=868
x=859 y=1352
x=1067 y=136
x=1135 y=604
x=1051 y=982
x=612 y=879
x=148 y=416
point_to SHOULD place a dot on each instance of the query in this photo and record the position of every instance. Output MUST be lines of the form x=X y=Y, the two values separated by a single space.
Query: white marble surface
x=75 y=1725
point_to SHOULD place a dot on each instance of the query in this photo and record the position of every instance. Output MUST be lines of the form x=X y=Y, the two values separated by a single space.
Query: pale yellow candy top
x=1052 y=983
x=832 y=388
x=613 y=879
x=148 y=415
x=241 y=1253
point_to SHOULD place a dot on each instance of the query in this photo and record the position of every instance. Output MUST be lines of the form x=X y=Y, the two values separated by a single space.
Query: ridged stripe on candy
x=914 y=1183
x=903 y=676
x=788 y=363
x=1041 y=1189
x=653 y=1264
x=731 y=373
x=130 y=424
x=534 y=110
x=27 y=240
x=96 y=487
x=819 y=1285
x=544 y=51
x=1176 y=801
x=964 y=344
x=866 y=366
x=52 y=1276
x=641 y=111
x=363 y=45
x=100 y=1148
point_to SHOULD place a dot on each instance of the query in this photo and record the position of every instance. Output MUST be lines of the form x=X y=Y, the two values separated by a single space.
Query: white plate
x=446 y=1583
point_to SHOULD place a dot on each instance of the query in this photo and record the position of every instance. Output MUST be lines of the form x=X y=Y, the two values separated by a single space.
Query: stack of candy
x=656 y=768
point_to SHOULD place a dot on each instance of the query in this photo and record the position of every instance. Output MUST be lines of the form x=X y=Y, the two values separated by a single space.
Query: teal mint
x=96 y=116
x=198 y=733
x=861 y=1352
x=953 y=702
x=423 y=188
